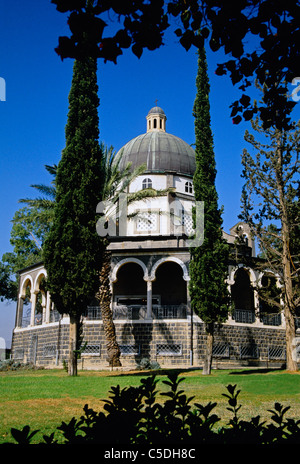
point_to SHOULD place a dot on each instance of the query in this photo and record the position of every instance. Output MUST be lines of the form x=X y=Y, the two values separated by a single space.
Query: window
x=130 y=350
x=165 y=349
x=91 y=350
x=49 y=351
x=146 y=222
x=245 y=239
x=187 y=222
x=147 y=183
x=188 y=187
x=242 y=292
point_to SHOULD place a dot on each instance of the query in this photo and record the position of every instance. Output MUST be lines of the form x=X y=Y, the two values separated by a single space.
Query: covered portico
x=34 y=301
x=150 y=288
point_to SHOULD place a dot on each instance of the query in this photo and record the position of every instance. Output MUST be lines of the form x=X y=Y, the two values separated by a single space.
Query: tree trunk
x=290 y=334
x=72 y=362
x=289 y=309
x=104 y=296
x=209 y=347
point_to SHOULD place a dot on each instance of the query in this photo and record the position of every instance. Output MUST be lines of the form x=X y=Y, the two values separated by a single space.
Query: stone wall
x=166 y=341
x=242 y=345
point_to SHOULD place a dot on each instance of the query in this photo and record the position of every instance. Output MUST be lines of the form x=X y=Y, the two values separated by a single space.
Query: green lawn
x=43 y=398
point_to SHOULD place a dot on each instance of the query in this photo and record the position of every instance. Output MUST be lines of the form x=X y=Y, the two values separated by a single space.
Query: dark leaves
x=68 y=5
x=24 y=436
x=273 y=57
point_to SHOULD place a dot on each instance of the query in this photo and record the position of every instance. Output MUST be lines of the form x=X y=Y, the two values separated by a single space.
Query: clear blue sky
x=33 y=117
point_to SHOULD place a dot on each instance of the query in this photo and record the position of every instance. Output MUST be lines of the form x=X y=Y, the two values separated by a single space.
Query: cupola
x=156 y=119
x=159 y=151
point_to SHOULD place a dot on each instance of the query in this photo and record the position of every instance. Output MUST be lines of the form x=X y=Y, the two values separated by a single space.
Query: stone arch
x=170 y=286
x=170 y=259
x=41 y=300
x=24 y=302
x=242 y=288
x=269 y=272
x=116 y=268
x=252 y=275
x=274 y=284
x=42 y=273
x=26 y=280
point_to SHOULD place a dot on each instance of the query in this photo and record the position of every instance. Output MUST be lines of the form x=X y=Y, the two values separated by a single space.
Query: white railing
x=137 y=312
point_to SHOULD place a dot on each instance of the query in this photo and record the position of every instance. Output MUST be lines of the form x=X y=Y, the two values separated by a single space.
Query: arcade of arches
x=138 y=295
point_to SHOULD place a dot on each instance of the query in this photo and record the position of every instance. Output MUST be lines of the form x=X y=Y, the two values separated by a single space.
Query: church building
x=150 y=280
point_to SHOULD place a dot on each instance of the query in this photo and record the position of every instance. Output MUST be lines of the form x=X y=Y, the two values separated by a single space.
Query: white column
x=44 y=303
x=256 y=306
x=283 y=321
x=48 y=306
x=19 y=315
x=149 y=300
x=189 y=310
x=33 y=303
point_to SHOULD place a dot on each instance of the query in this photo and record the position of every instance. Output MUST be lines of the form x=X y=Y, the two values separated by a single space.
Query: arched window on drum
x=147 y=183
x=188 y=187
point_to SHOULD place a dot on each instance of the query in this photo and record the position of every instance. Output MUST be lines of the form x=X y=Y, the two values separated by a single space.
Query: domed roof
x=156 y=110
x=159 y=151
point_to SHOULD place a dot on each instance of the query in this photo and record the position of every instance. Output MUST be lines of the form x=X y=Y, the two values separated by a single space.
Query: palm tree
x=43 y=207
x=116 y=182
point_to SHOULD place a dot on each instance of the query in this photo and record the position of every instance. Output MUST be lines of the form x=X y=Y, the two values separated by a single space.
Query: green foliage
x=30 y=226
x=11 y=365
x=8 y=286
x=134 y=415
x=209 y=295
x=147 y=364
x=26 y=236
x=72 y=251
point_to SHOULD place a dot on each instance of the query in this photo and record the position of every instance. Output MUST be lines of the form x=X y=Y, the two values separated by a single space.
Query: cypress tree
x=73 y=251
x=209 y=262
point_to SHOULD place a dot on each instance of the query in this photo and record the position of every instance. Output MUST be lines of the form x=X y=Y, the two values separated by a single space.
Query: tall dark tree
x=209 y=262
x=73 y=251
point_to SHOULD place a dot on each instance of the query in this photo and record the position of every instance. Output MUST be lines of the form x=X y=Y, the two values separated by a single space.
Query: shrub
x=147 y=364
x=11 y=365
x=133 y=416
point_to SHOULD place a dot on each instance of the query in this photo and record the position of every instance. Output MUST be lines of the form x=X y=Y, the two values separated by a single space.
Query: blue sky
x=33 y=117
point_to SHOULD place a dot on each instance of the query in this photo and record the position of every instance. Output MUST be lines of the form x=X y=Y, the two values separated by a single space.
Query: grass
x=44 y=398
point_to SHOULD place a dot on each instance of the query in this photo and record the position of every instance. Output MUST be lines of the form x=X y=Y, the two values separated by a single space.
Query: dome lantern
x=156 y=120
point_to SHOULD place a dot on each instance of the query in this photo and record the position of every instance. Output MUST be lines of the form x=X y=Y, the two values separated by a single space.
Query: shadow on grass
x=257 y=371
x=149 y=372
x=146 y=373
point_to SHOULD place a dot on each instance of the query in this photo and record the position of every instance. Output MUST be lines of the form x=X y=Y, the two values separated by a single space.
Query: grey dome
x=160 y=151
x=157 y=110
